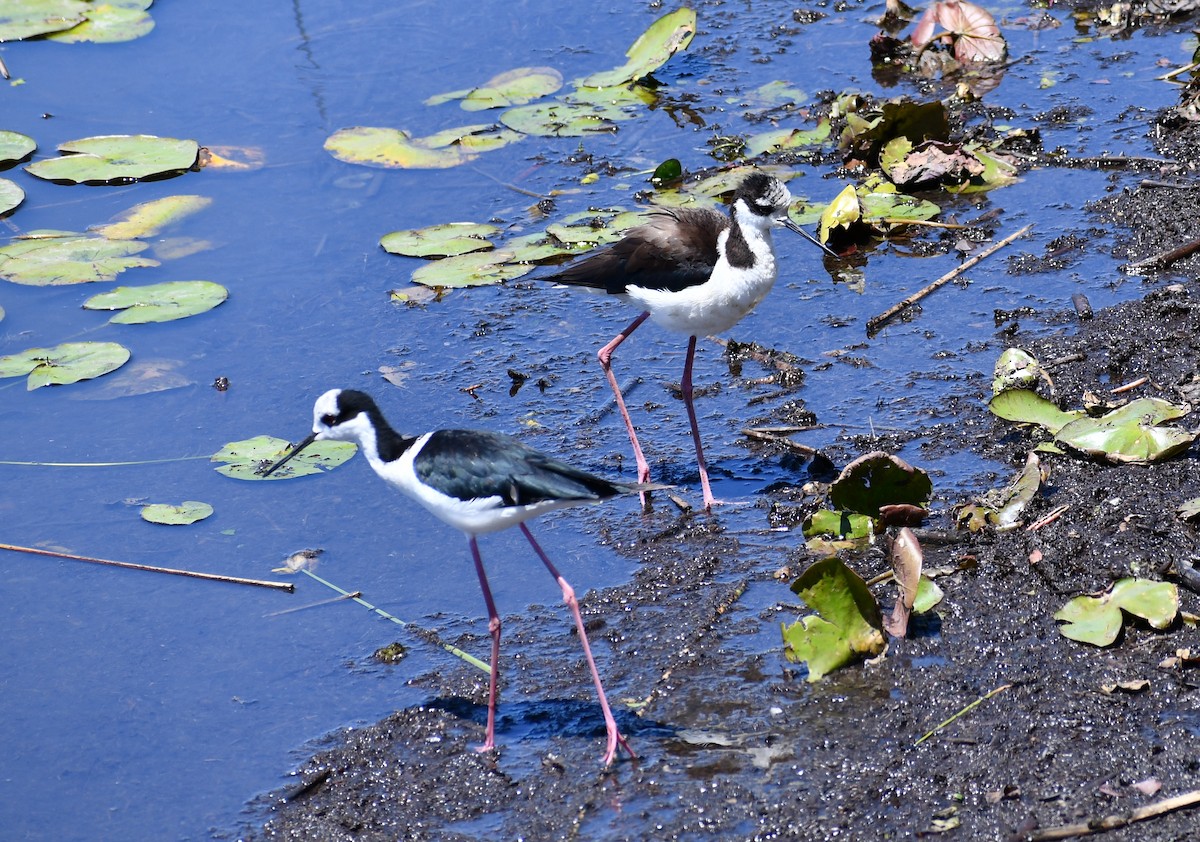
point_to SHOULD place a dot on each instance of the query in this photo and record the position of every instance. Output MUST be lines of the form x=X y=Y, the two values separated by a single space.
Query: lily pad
x=1098 y=619
x=828 y=531
x=189 y=511
x=116 y=158
x=1002 y=508
x=70 y=259
x=653 y=48
x=66 y=363
x=847 y=624
x=446 y=240
x=110 y=22
x=470 y=270
x=881 y=205
x=780 y=140
x=246 y=459
x=149 y=218
x=588 y=229
x=513 y=87
x=536 y=248
x=394 y=148
x=20 y=19
x=558 y=119
x=877 y=479
x=10 y=195
x=1026 y=407
x=1131 y=434
x=164 y=302
x=13 y=145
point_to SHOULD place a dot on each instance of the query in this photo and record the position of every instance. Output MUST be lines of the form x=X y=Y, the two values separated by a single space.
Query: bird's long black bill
x=311 y=438
x=791 y=226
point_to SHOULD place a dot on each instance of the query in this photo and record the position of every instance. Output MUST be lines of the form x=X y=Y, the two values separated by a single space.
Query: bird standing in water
x=694 y=271
x=478 y=482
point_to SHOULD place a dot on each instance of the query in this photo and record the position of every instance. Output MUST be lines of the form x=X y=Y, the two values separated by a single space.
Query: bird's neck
x=746 y=245
x=386 y=445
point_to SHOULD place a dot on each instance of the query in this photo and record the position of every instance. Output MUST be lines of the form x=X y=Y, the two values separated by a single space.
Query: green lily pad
x=1002 y=508
x=189 y=511
x=446 y=240
x=996 y=173
x=1098 y=619
x=21 y=19
x=536 y=248
x=928 y=596
x=829 y=531
x=246 y=459
x=879 y=479
x=1026 y=407
x=66 y=363
x=13 y=145
x=558 y=119
x=896 y=207
x=665 y=37
x=149 y=218
x=513 y=87
x=163 y=302
x=1130 y=434
x=110 y=22
x=116 y=158
x=10 y=195
x=588 y=229
x=394 y=148
x=71 y=259
x=847 y=625
x=779 y=140
x=470 y=270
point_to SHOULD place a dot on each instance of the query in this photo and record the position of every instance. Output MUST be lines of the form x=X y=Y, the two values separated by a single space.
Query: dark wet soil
x=740 y=746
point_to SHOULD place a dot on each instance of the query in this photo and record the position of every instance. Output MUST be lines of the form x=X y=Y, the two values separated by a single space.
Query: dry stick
x=216 y=577
x=978 y=701
x=1163 y=259
x=875 y=323
x=1048 y=519
x=1150 y=811
x=1141 y=381
x=329 y=601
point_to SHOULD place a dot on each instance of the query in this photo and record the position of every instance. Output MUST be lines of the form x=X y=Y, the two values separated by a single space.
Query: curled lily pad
x=513 y=87
x=558 y=119
x=876 y=479
x=847 y=624
x=149 y=218
x=66 y=363
x=1017 y=369
x=116 y=158
x=446 y=240
x=1002 y=508
x=1098 y=619
x=189 y=511
x=71 y=259
x=10 y=195
x=248 y=458
x=110 y=23
x=163 y=302
x=469 y=270
x=21 y=19
x=1131 y=434
x=1026 y=407
x=13 y=145
x=665 y=37
x=383 y=147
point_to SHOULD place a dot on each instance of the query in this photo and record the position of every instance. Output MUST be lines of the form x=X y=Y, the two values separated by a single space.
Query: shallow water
x=148 y=707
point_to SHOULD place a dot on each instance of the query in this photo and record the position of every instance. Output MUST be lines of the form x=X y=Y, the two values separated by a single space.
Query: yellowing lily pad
x=63 y=364
x=847 y=624
x=1098 y=619
x=149 y=218
x=163 y=302
x=110 y=23
x=1026 y=407
x=558 y=119
x=1130 y=434
x=395 y=148
x=13 y=145
x=779 y=140
x=116 y=158
x=21 y=19
x=513 y=87
x=653 y=48
x=1002 y=508
x=185 y=513
x=248 y=458
x=10 y=195
x=469 y=270
x=446 y=240
x=71 y=259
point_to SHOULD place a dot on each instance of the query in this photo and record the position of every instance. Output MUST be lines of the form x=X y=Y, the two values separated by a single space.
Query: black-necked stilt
x=694 y=271
x=478 y=482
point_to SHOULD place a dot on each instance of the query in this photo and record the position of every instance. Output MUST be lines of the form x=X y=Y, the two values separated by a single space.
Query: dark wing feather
x=471 y=464
x=674 y=250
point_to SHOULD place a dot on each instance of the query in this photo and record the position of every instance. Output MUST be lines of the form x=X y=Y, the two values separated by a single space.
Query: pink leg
x=610 y=723
x=605 y=355
x=686 y=388
x=489 y=740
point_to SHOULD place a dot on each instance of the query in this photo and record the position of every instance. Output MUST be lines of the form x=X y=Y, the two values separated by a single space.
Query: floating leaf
x=383 y=147
x=558 y=119
x=880 y=205
x=10 y=195
x=779 y=140
x=116 y=158
x=827 y=531
x=847 y=624
x=842 y=212
x=1098 y=619
x=876 y=479
x=997 y=172
x=71 y=259
x=149 y=218
x=536 y=248
x=513 y=87
x=589 y=229
x=1026 y=407
x=66 y=363
x=1002 y=508
x=246 y=459
x=13 y=145
x=665 y=37
x=189 y=511
x=140 y=377
x=469 y=270
x=110 y=23
x=446 y=240
x=21 y=19
x=163 y=302
x=1130 y=434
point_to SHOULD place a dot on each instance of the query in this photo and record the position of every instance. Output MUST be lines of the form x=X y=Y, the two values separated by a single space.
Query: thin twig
x=236 y=580
x=329 y=601
x=1178 y=71
x=978 y=701
x=1048 y=519
x=1141 y=381
x=1150 y=811
x=763 y=435
x=895 y=220
x=1163 y=259
x=874 y=324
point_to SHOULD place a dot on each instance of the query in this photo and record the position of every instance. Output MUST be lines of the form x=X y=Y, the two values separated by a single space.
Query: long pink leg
x=489 y=740
x=686 y=388
x=605 y=355
x=614 y=736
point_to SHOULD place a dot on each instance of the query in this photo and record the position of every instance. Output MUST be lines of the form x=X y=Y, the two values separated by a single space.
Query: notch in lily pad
x=169 y=514
x=63 y=364
x=60 y=258
x=247 y=459
x=117 y=159
x=1099 y=619
x=163 y=302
